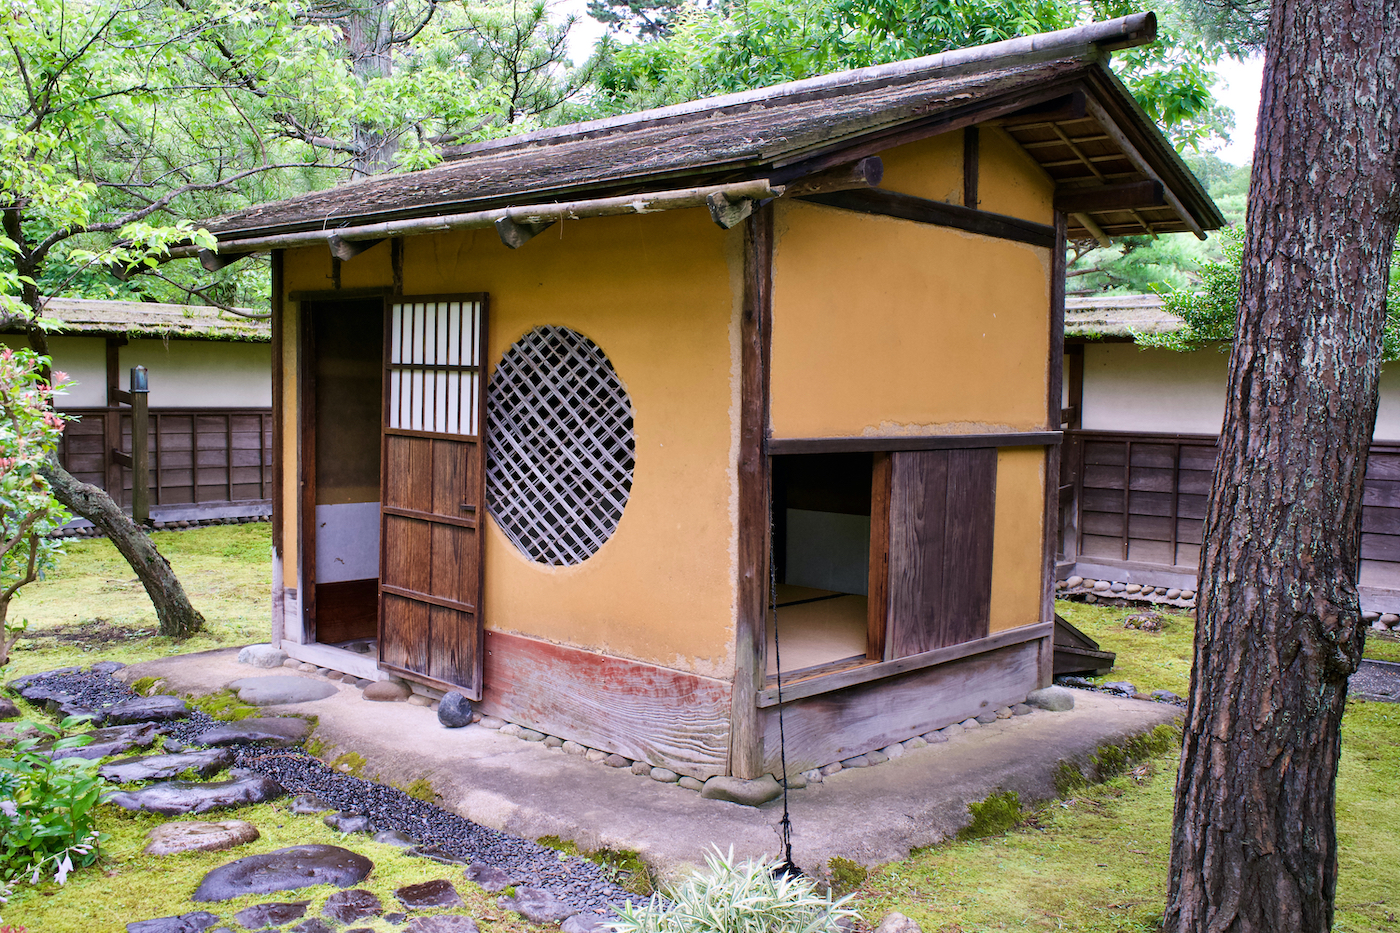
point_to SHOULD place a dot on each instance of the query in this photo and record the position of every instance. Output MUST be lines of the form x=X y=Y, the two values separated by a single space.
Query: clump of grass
x=995 y=815
x=420 y=789
x=225 y=706
x=144 y=685
x=565 y=846
x=846 y=876
x=351 y=763
x=628 y=869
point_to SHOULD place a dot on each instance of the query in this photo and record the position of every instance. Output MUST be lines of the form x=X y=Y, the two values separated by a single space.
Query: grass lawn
x=1097 y=862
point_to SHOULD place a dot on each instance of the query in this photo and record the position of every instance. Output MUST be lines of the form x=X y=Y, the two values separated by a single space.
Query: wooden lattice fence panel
x=561 y=449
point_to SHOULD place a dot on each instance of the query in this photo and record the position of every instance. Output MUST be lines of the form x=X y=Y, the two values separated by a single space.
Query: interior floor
x=817 y=627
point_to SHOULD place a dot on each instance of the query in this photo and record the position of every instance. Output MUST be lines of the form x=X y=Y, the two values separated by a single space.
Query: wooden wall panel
x=835 y=726
x=669 y=718
x=942 y=511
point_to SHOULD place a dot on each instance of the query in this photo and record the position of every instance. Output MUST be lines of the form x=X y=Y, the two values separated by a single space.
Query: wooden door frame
x=479 y=615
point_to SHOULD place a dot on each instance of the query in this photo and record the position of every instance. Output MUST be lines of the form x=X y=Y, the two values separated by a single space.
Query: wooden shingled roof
x=1052 y=93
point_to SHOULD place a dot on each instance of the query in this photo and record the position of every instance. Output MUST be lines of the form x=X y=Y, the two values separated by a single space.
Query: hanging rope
x=786 y=866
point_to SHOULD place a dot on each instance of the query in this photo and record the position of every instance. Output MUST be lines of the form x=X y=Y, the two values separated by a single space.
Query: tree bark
x=177 y=617
x=1254 y=843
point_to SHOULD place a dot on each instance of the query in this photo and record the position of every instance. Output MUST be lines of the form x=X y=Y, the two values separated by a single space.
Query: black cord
x=786 y=866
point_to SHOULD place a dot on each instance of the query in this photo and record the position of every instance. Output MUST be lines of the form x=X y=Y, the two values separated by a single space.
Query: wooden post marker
x=140 y=471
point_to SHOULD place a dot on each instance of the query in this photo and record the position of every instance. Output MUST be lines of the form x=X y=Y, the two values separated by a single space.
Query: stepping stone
x=271 y=915
x=352 y=905
x=278 y=732
x=196 y=836
x=436 y=854
x=489 y=877
x=312 y=925
x=279 y=689
x=307 y=804
x=438 y=893
x=284 y=870
x=394 y=837
x=443 y=923
x=104 y=742
x=175 y=797
x=185 y=923
x=146 y=709
x=538 y=905
x=161 y=767
x=346 y=822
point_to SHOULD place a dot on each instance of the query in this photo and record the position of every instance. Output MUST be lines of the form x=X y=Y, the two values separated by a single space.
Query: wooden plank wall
x=199 y=456
x=647 y=713
x=1142 y=497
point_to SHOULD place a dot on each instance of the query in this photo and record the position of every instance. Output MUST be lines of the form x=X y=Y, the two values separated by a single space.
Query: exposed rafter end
x=1094 y=229
x=726 y=212
x=345 y=250
x=863 y=173
x=213 y=262
x=515 y=234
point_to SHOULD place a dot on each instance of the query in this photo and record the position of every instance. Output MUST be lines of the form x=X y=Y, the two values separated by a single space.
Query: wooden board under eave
x=835 y=726
x=643 y=712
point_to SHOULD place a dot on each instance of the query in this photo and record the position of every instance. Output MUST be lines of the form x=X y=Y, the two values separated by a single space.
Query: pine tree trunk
x=177 y=617
x=1254 y=844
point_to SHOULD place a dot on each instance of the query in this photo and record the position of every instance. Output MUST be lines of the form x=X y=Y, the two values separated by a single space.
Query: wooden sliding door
x=941 y=517
x=433 y=491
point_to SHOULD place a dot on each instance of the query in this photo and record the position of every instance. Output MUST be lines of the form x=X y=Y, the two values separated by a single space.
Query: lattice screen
x=561 y=450
x=434 y=358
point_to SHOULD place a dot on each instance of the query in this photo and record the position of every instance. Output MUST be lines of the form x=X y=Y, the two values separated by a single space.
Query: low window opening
x=821 y=554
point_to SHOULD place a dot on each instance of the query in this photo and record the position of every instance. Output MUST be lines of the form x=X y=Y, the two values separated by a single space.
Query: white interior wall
x=1162 y=391
x=203 y=373
x=347 y=542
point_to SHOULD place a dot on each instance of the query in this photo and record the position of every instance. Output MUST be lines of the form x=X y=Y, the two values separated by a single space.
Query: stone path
x=264 y=763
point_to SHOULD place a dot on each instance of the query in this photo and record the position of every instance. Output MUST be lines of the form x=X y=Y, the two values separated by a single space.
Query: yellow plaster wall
x=660 y=295
x=930 y=168
x=1010 y=182
x=1017 y=533
x=867 y=342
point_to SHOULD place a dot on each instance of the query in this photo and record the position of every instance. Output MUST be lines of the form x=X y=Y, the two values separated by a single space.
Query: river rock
x=161 y=767
x=1166 y=696
x=442 y=923
x=896 y=922
x=271 y=915
x=1054 y=699
x=278 y=732
x=196 y=836
x=185 y=923
x=387 y=691
x=538 y=905
x=284 y=870
x=8 y=709
x=352 y=905
x=280 y=689
x=395 y=837
x=159 y=708
x=346 y=822
x=437 y=893
x=175 y=797
x=262 y=656
x=583 y=923
x=986 y=719
x=312 y=925
x=737 y=790
x=455 y=711
x=664 y=775
x=488 y=877
x=113 y=740
x=307 y=804
x=1121 y=687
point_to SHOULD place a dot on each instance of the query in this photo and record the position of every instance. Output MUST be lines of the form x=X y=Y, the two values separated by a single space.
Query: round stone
x=1133 y=589
x=617 y=761
x=916 y=742
x=664 y=775
x=690 y=783
x=283 y=870
x=1390 y=618
x=387 y=691
x=455 y=710
x=280 y=689
x=198 y=836
x=1118 y=588
x=1091 y=598
x=1072 y=582
x=1188 y=594
x=262 y=656
x=1173 y=593
x=1102 y=586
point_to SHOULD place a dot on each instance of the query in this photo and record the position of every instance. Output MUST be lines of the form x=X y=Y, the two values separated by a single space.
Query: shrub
x=738 y=898
x=48 y=817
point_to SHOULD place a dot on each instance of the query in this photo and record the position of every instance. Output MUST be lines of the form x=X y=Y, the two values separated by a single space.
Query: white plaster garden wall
x=202 y=373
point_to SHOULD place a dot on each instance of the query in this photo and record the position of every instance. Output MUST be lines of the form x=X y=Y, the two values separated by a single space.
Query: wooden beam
x=826 y=683
x=1060 y=110
x=728 y=212
x=877 y=622
x=1141 y=164
x=755 y=508
x=516 y=235
x=972 y=140
x=831 y=445
x=212 y=261
x=1094 y=229
x=1120 y=197
x=922 y=210
x=863 y=173
x=346 y=250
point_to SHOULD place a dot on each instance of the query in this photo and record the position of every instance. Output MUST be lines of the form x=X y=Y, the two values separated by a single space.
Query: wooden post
x=1054 y=412
x=140 y=456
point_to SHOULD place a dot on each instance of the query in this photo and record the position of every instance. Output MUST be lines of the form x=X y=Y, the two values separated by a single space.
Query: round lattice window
x=561 y=449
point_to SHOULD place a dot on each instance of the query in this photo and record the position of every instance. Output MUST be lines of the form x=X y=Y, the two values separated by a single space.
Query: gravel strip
x=575 y=880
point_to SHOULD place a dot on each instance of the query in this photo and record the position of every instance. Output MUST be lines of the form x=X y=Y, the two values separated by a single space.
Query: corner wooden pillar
x=755 y=333
x=1054 y=414
x=279 y=620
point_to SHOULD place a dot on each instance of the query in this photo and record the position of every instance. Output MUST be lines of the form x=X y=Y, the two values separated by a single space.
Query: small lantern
x=139 y=382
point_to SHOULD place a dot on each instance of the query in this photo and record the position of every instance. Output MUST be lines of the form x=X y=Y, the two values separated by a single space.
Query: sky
x=1238 y=88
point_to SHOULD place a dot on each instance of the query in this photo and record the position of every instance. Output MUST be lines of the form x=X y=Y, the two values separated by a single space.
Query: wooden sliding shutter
x=942 y=507
x=430 y=626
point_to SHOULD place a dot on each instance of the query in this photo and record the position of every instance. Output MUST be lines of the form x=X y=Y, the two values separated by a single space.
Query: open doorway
x=344 y=341
x=821 y=554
